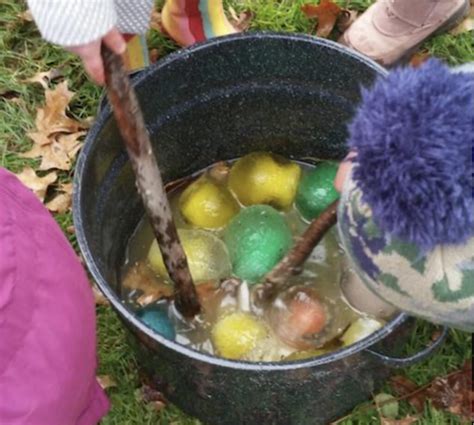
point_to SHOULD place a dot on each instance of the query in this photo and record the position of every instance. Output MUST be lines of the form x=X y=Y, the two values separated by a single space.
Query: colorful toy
x=316 y=190
x=208 y=204
x=236 y=334
x=264 y=178
x=156 y=317
x=257 y=238
x=207 y=256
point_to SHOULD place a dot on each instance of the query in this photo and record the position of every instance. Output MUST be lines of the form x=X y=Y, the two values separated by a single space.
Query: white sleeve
x=73 y=22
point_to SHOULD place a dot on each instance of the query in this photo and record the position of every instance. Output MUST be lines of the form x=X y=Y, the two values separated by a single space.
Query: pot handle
x=408 y=361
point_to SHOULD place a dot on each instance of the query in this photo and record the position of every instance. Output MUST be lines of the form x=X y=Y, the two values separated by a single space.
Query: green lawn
x=23 y=54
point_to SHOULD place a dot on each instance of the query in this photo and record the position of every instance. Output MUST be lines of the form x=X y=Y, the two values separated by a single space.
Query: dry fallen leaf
x=58 y=153
x=467 y=24
x=453 y=393
x=346 y=18
x=326 y=13
x=154 y=55
x=141 y=278
x=419 y=58
x=152 y=397
x=240 y=22
x=403 y=386
x=44 y=78
x=99 y=297
x=61 y=203
x=26 y=16
x=106 y=381
x=155 y=21
x=408 y=420
x=39 y=185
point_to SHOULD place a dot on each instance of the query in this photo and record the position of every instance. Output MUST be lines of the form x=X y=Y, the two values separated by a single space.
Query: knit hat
x=406 y=216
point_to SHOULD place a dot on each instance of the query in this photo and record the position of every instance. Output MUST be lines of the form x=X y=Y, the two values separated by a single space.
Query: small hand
x=344 y=168
x=91 y=57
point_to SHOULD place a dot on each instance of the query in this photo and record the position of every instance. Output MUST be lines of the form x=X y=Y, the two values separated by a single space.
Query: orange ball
x=302 y=316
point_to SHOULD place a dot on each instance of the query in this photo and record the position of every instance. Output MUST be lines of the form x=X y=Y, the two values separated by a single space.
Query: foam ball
x=207 y=256
x=257 y=238
x=316 y=190
x=264 y=178
x=360 y=329
x=157 y=319
x=208 y=204
x=236 y=334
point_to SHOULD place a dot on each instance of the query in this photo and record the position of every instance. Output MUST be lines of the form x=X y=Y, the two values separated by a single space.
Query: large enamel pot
x=288 y=94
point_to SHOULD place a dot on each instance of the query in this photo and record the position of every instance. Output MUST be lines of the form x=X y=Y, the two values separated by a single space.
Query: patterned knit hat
x=406 y=216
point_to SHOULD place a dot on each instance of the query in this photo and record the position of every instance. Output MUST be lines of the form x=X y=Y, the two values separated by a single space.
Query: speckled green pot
x=437 y=286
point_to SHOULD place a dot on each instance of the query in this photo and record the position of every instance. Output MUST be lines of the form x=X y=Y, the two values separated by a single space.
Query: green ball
x=316 y=190
x=256 y=238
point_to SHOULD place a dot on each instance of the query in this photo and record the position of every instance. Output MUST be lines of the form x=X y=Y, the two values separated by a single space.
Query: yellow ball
x=360 y=329
x=264 y=178
x=237 y=334
x=206 y=203
x=207 y=256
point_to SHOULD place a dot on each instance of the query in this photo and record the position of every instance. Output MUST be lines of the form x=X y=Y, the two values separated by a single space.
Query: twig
x=130 y=122
x=292 y=263
x=400 y=398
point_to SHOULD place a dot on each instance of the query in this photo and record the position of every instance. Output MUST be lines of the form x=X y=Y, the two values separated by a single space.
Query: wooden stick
x=130 y=122
x=292 y=263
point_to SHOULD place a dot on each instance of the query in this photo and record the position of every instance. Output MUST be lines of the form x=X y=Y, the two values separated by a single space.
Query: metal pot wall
x=289 y=94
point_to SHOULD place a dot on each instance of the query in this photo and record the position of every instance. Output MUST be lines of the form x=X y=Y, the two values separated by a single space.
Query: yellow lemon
x=265 y=178
x=360 y=329
x=206 y=203
x=207 y=256
x=237 y=334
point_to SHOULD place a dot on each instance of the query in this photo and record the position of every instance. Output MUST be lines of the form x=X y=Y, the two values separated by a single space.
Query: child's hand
x=342 y=171
x=91 y=57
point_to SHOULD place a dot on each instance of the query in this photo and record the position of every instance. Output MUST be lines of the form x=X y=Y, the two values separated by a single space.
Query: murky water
x=320 y=279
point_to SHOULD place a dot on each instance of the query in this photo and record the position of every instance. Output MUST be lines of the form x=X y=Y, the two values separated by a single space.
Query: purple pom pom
x=413 y=134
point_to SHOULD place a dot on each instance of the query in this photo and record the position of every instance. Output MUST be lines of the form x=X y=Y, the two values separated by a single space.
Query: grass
x=23 y=53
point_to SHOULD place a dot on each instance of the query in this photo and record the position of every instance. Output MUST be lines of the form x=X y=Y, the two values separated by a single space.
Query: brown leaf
x=408 y=420
x=62 y=202
x=71 y=230
x=152 y=397
x=346 y=18
x=453 y=393
x=240 y=22
x=155 y=21
x=154 y=55
x=39 y=185
x=106 y=381
x=44 y=78
x=26 y=15
x=59 y=153
x=419 y=58
x=403 y=386
x=99 y=297
x=326 y=12
x=141 y=278
x=466 y=25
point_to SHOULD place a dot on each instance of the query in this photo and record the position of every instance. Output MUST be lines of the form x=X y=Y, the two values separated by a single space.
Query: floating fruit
x=307 y=354
x=257 y=238
x=264 y=178
x=360 y=329
x=156 y=318
x=207 y=256
x=297 y=316
x=237 y=334
x=316 y=190
x=208 y=204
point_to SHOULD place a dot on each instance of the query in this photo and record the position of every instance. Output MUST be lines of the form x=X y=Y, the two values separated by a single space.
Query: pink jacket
x=47 y=319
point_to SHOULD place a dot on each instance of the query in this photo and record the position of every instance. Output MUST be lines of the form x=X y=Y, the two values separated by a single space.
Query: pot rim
x=125 y=312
